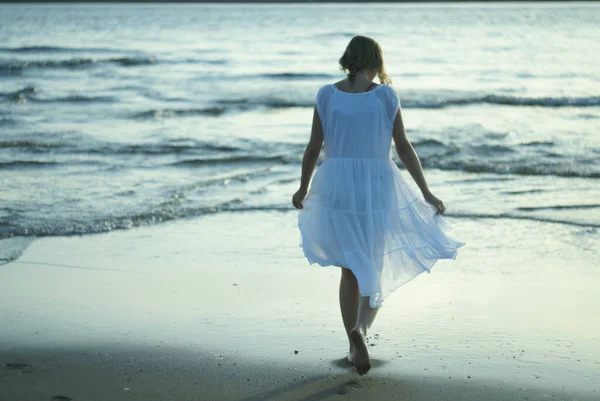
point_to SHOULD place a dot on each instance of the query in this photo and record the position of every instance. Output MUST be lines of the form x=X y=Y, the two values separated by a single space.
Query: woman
x=360 y=214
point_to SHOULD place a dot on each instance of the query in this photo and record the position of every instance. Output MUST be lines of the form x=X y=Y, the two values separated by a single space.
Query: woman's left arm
x=309 y=161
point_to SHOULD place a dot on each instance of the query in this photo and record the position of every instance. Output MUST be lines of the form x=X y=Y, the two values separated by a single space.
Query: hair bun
x=363 y=53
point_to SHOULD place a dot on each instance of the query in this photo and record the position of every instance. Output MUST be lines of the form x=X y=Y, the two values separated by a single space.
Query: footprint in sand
x=348 y=386
x=20 y=367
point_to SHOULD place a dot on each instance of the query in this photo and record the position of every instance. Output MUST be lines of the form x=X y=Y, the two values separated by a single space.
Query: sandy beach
x=225 y=307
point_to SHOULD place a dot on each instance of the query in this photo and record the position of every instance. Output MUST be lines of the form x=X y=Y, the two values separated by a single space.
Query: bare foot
x=350 y=356
x=360 y=359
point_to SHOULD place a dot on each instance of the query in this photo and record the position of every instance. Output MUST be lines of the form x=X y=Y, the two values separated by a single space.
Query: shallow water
x=114 y=116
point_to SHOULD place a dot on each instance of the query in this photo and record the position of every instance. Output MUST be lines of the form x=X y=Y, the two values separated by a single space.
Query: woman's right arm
x=411 y=161
x=309 y=161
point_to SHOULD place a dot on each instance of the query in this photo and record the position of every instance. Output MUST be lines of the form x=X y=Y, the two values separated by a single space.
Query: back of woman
x=357 y=132
x=357 y=125
x=360 y=214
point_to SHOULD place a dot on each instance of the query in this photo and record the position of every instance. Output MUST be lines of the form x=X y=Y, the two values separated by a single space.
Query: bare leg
x=366 y=317
x=349 y=295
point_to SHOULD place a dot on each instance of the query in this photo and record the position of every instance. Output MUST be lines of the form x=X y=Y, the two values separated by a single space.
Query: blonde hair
x=363 y=53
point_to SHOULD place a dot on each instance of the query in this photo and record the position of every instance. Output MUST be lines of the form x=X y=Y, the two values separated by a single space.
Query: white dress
x=359 y=213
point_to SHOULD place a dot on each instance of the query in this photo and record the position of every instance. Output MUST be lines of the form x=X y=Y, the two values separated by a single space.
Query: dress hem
x=379 y=297
x=376 y=299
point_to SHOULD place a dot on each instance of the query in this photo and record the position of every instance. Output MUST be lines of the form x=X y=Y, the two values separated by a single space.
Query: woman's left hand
x=298 y=198
x=436 y=202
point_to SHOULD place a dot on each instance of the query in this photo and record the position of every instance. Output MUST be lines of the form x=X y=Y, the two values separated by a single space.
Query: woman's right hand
x=436 y=202
x=298 y=198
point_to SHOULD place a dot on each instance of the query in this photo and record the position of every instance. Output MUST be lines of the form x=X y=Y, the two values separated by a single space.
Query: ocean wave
x=38 y=164
x=16 y=66
x=296 y=76
x=62 y=227
x=53 y=49
x=512 y=216
x=492 y=149
x=20 y=65
x=32 y=49
x=443 y=157
x=516 y=167
x=157 y=149
x=167 y=212
x=538 y=143
x=192 y=153
x=132 y=61
x=224 y=106
x=559 y=207
x=253 y=103
x=585 y=116
x=165 y=113
x=269 y=102
x=422 y=102
x=589 y=101
x=29 y=93
x=27 y=144
x=523 y=192
x=428 y=142
x=150 y=93
x=340 y=34
x=78 y=99
x=20 y=164
x=529 y=159
x=162 y=148
x=20 y=96
x=275 y=102
x=505 y=159
x=231 y=160
x=4 y=121
x=72 y=143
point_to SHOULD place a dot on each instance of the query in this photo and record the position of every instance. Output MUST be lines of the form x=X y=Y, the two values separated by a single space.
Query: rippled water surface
x=113 y=116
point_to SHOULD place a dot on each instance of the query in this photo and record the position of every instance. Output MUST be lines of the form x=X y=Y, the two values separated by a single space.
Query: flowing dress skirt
x=361 y=215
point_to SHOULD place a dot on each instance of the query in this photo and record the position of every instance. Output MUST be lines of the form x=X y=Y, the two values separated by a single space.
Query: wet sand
x=225 y=307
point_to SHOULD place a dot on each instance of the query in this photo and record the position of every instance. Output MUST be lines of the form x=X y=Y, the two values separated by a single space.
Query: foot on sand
x=350 y=356
x=360 y=359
